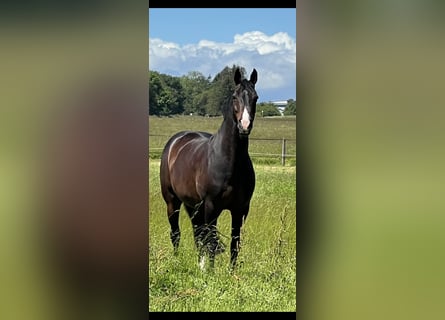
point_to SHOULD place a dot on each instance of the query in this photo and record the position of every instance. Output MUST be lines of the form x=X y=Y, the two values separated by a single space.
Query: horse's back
x=183 y=141
x=185 y=136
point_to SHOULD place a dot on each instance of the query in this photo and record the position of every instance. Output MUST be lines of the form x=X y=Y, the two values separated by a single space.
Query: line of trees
x=196 y=94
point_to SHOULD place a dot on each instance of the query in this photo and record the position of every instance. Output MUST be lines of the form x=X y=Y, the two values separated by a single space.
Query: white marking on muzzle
x=245 y=120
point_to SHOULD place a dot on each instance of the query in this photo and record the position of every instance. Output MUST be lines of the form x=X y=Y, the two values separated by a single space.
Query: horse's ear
x=253 y=76
x=237 y=76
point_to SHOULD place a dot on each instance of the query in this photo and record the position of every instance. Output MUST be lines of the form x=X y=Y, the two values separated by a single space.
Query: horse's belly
x=185 y=189
x=185 y=164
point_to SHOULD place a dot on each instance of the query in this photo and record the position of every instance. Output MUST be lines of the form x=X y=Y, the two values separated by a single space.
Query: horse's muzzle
x=244 y=132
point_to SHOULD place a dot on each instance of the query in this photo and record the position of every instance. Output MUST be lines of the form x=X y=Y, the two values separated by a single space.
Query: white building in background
x=281 y=105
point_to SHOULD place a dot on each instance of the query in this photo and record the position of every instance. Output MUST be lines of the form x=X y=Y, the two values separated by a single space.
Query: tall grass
x=265 y=279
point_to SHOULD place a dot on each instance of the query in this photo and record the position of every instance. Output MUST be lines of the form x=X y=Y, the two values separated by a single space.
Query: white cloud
x=273 y=56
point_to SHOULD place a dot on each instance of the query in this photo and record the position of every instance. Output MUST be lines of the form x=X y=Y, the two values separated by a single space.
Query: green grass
x=266 y=277
x=262 y=149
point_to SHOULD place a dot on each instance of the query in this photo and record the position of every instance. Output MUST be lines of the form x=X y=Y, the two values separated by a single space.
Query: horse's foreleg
x=237 y=222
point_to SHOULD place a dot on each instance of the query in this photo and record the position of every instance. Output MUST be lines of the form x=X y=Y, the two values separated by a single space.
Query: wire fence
x=264 y=151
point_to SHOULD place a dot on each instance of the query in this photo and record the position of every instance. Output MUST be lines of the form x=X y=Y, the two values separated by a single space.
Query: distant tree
x=174 y=102
x=291 y=108
x=193 y=86
x=201 y=102
x=267 y=109
x=220 y=92
x=154 y=89
x=165 y=94
x=192 y=93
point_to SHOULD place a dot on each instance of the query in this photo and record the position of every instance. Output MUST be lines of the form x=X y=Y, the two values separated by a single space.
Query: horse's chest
x=236 y=192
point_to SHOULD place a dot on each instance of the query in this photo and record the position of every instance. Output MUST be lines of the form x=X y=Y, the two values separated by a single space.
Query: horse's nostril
x=241 y=128
x=243 y=125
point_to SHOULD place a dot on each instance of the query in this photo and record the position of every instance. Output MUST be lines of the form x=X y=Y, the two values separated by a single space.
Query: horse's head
x=244 y=102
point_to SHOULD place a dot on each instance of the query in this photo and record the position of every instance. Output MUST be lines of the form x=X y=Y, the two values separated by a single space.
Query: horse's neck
x=228 y=145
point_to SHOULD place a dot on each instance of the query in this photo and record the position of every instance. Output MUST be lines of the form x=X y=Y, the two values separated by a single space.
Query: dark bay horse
x=212 y=172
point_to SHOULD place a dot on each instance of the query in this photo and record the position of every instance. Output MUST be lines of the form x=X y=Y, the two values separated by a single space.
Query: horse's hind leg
x=197 y=217
x=173 y=208
x=213 y=244
x=204 y=234
x=197 y=221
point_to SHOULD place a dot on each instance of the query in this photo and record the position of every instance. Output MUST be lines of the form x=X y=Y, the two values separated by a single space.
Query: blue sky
x=188 y=25
x=206 y=40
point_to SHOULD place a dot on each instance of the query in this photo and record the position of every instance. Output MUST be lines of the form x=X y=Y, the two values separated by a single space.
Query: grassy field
x=263 y=150
x=266 y=277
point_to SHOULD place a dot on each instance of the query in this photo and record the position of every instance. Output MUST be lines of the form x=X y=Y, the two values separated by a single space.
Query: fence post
x=283 y=151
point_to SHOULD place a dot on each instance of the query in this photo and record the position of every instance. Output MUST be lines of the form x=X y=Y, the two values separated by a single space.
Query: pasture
x=265 y=279
x=264 y=141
